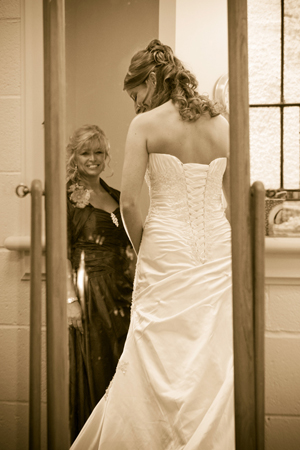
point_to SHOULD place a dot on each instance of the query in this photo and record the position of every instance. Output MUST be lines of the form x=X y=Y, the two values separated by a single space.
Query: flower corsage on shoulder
x=80 y=196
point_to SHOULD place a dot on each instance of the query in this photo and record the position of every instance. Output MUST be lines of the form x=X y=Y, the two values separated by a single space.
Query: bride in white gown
x=173 y=387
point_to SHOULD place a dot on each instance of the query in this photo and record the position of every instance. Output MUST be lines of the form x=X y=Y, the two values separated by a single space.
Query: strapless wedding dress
x=173 y=387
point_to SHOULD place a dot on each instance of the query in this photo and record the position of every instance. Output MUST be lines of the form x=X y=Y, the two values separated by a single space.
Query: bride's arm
x=135 y=164
x=226 y=189
x=224 y=132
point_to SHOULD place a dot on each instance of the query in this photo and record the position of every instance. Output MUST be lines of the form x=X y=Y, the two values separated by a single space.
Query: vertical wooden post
x=35 y=316
x=258 y=213
x=242 y=278
x=56 y=240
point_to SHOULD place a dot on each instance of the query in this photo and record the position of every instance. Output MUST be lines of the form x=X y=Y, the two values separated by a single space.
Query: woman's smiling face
x=90 y=162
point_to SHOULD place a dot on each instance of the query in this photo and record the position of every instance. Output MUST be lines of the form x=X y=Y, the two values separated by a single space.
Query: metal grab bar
x=258 y=226
x=36 y=192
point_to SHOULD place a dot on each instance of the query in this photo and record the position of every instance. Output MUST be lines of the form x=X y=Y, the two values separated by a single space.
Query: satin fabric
x=94 y=354
x=173 y=387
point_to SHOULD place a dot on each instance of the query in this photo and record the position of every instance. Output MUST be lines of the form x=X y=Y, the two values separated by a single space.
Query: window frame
x=282 y=105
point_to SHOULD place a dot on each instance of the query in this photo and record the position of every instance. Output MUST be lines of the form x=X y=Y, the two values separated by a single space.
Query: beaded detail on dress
x=173 y=184
x=114 y=219
x=122 y=366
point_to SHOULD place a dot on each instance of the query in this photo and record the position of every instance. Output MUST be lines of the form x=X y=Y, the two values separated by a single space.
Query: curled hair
x=87 y=137
x=173 y=81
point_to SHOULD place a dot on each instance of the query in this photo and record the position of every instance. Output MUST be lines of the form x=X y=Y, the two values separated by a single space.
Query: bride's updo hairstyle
x=173 y=81
x=87 y=137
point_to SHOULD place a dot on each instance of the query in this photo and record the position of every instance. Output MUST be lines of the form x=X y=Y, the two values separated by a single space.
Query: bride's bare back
x=199 y=142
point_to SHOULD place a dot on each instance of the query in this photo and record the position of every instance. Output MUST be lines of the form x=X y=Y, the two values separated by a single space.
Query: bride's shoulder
x=221 y=122
x=137 y=125
x=144 y=121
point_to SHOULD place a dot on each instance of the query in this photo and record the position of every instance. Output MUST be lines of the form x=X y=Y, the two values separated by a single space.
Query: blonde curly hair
x=173 y=81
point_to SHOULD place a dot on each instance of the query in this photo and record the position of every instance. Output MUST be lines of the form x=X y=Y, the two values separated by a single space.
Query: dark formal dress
x=107 y=301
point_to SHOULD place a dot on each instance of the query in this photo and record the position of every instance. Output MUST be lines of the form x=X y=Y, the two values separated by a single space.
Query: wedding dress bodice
x=187 y=197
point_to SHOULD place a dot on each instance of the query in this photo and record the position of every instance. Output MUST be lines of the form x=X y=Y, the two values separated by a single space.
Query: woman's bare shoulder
x=218 y=126
x=221 y=132
x=139 y=124
x=148 y=120
x=221 y=123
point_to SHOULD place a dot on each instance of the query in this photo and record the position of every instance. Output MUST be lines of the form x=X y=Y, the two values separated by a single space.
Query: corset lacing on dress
x=194 y=192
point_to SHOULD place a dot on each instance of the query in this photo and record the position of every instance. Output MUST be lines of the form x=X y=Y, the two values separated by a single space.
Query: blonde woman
x=98 y=314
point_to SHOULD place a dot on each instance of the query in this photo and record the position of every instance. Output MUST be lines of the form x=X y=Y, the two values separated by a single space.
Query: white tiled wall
x=14 y=293
x=282 y=352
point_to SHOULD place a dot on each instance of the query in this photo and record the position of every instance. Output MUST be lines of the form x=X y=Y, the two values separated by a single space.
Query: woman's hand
x=74 y=313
